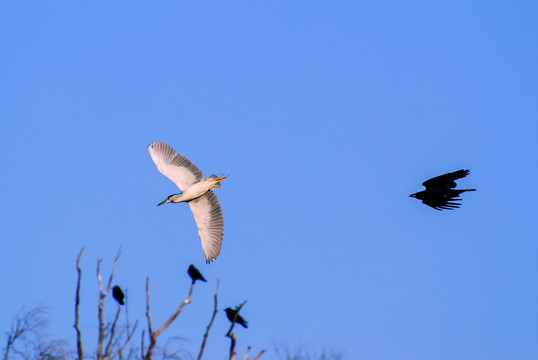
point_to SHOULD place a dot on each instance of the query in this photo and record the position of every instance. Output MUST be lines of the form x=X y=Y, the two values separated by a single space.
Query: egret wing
x=445 y=181
x=208 y=216
x=174 y=166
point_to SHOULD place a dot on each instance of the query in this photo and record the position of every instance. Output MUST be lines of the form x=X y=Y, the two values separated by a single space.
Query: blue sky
x=326 y=116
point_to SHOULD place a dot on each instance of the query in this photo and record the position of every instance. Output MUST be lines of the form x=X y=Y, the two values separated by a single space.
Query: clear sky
x=326 y=116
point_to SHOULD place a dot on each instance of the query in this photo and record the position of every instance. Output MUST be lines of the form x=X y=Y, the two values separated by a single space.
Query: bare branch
x=142 y=344
x=100 y=312
x=128 y=330
x=153 y=335
x=148 y=311
x=215 y=310
x=112 y=333
x=245 y=355
x=102 y=295
x=77 y=303
x=259 y=355
x=174 y=315
x=232 y=346
x=113 y=270
x=129 y=336
x=150 y=326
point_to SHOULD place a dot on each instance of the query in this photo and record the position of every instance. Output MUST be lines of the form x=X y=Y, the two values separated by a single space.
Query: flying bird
x=117 y=294
x=195 y=274
x=232 y=314
x=196 y=191
x=440 y=193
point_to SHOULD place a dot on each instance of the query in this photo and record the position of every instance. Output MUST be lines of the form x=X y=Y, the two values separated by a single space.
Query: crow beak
x=412 y=195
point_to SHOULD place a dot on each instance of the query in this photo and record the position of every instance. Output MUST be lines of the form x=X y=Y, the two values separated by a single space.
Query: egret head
x=169 y=199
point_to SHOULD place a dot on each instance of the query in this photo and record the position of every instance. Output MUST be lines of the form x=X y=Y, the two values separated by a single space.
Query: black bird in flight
x=117 y=294
x=231 y=314
x=195 y=274
x=440 y=193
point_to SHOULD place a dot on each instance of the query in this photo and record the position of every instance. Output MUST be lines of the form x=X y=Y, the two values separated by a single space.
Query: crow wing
x=445 y=181
x=438 y=204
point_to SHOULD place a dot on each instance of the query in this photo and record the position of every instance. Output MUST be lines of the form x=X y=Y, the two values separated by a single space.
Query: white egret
x=196 y=191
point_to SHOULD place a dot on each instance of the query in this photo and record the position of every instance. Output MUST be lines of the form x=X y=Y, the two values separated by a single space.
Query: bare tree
x=25 y=324
x=284 y=352
x=26 y=338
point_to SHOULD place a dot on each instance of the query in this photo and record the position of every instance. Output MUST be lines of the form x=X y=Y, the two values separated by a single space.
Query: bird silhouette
x=231 y=315
x=118 y=295
x=196 y=191
x=440 y=193
x=195 y=274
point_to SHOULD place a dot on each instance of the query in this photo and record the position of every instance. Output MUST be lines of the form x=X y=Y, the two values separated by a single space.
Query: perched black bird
x=117 y=294
x=230 y=313
x=195 y=274
x=440 y=193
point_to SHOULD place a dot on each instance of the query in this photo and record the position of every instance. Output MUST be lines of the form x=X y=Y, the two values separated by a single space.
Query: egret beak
x=162 y=202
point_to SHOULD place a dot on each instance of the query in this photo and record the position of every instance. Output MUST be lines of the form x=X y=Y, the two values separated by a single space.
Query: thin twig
x=129 y=336
x=113 y=270
x=174 y=315
x=128 y=329
x=215 y=310
x=112 y=332
x=245 y=355
x=153 y=335
x=77 y=303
